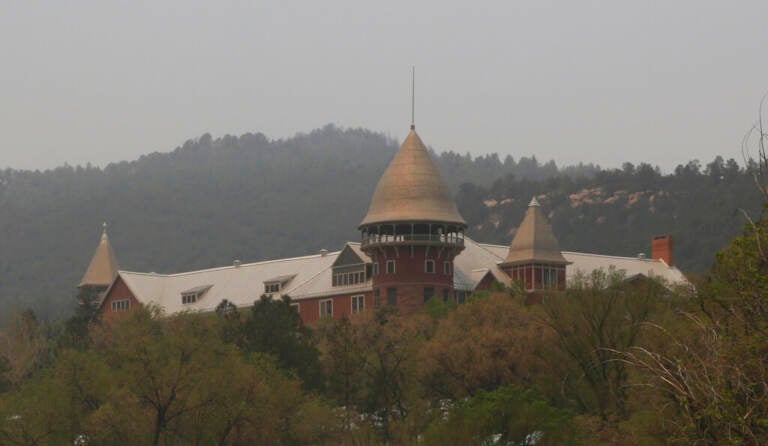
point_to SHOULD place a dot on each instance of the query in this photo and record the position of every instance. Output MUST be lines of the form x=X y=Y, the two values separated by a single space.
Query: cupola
x=534 y=257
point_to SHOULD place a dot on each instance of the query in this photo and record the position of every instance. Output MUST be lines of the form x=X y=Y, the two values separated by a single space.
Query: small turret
x=534 y=258
x=103 y=267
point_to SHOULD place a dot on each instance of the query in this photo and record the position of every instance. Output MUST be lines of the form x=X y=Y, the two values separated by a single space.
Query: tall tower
x=534 y=257
x=412 y=231
x=102 y=270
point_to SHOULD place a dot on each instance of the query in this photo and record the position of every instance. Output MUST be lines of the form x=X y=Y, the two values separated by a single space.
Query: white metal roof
x=585 y=263
x=241 y=285
x=312 y=276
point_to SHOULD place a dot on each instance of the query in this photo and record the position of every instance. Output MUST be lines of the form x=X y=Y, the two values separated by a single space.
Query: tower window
x=446 y=268
x=390 y=266
x=358 y=304
x=376 y=298
x=326 y=308
x=376 y=269
x=392 y=296
x=429 y=266
x=428 y=293
x=445 y=294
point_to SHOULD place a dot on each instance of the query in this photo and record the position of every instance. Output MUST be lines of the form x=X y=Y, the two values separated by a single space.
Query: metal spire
x=104 y=230
x=413 y=97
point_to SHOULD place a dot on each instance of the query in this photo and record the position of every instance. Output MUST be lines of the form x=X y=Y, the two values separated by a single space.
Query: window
x=390 y=266
x=429 y=266
x=358 y=304
x=428 y=293
x=271 y=287
x=121 y=305
x=376 y=298
x=392 y=296
x=445 y=294
x=346 y=279
x=549 y=277
x=461 y=297
x=376 y=269
x=446 y=267
x=326 y=308
x=297 y=307
x=189 y=298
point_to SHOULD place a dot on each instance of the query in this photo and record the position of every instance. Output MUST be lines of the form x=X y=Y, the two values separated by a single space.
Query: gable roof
x=103 y=267
x=348 y=256
x=534 y=240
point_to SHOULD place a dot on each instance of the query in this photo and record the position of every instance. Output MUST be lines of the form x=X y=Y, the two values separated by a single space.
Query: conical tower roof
x=103 y=267
x=412 y=189
x=534 y=240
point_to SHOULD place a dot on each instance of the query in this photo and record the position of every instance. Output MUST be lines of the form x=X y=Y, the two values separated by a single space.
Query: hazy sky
x=601 y=81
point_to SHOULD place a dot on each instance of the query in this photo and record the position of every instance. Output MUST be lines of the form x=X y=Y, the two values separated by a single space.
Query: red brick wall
x=486 y=282
x=410 y=276
x=119 y=291
x=663 y=247
x=309 y=309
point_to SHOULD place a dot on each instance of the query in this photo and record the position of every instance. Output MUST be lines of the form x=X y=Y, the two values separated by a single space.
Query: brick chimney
x=662 y=247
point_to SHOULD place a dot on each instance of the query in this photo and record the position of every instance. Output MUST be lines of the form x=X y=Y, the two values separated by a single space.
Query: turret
x=103 y=267
x=412 y=231
x=534 y=258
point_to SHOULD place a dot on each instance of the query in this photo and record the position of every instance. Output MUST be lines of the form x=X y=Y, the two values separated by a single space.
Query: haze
x=599 y=81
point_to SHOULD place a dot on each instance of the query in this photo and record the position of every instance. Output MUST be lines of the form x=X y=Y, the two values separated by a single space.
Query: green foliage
x=274 y=327
x=438 y=308
x=147 y=380
x=76 y=333
x=484 y=344
x=712 y=365
x=594 y=321
x=509 y=415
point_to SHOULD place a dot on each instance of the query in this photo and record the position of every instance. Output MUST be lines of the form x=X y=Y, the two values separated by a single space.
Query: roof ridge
x=299 y=285
x=244 y=265
x=611 y=256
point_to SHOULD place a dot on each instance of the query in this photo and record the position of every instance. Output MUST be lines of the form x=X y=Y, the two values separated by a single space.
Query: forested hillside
x=211 y=201
x=618 y=211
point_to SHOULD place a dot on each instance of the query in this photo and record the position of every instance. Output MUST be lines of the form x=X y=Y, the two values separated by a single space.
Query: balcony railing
x=420 y=239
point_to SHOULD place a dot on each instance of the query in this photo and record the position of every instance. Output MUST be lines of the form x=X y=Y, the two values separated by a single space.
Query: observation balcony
x=441 y=240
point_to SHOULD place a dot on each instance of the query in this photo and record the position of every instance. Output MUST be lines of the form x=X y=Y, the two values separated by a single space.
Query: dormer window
x=271 y=287
x=276 y=285
x=192 y=295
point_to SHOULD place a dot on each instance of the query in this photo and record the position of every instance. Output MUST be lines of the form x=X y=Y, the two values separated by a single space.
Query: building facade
x=412 y=248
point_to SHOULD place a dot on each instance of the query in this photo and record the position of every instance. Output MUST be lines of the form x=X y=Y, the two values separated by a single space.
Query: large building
x=412 y=248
